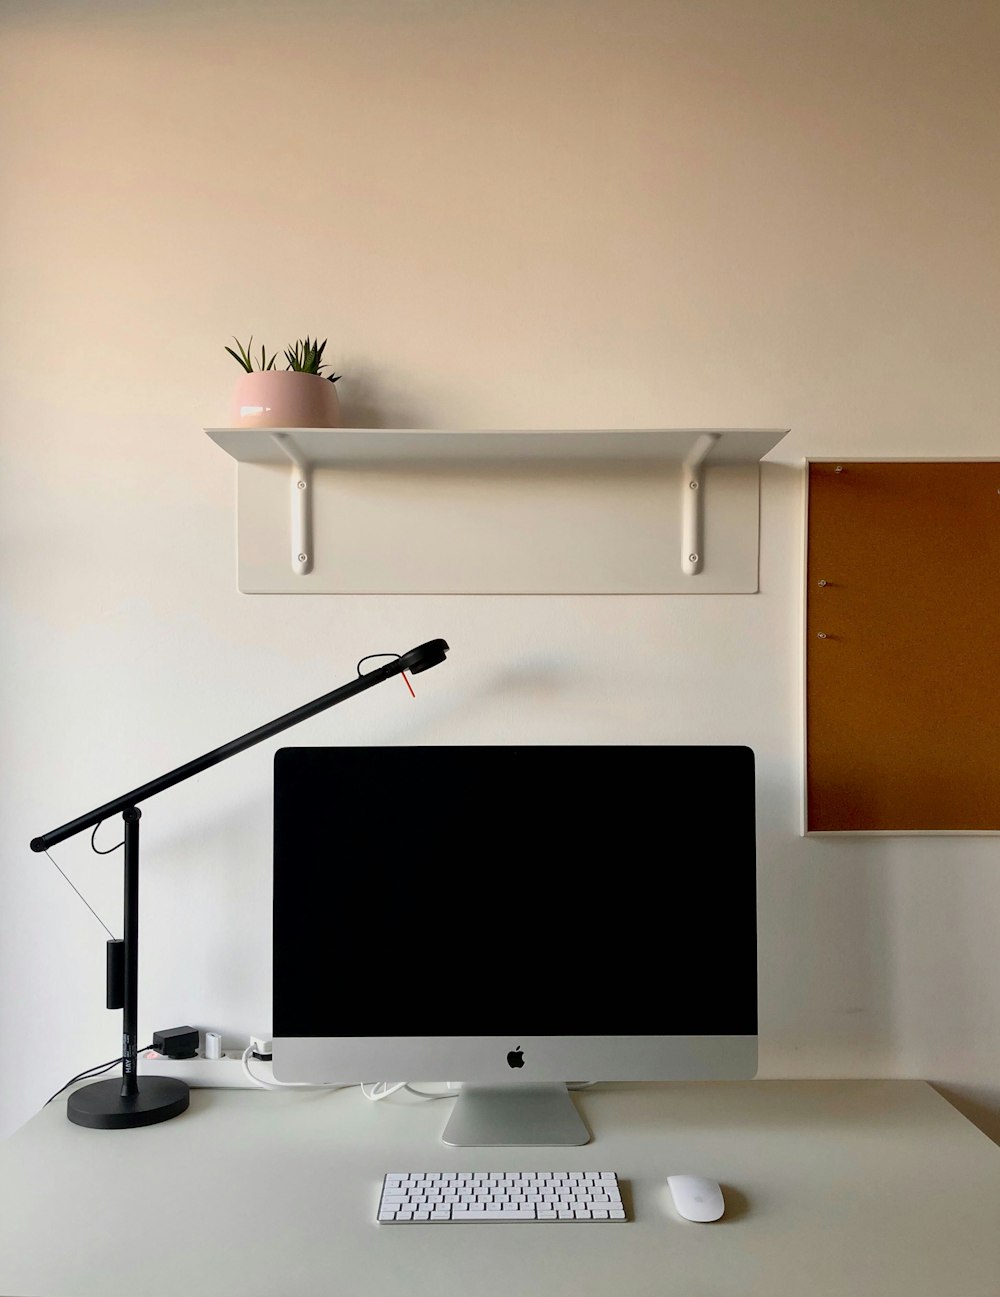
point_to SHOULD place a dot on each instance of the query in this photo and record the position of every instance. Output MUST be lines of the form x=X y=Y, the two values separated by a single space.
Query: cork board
x=903 y=647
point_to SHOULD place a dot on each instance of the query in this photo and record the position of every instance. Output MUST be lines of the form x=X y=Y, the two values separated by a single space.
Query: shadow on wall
x=369 y=400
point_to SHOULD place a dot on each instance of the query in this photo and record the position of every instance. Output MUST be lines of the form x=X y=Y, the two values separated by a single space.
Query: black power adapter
x=177 y=1042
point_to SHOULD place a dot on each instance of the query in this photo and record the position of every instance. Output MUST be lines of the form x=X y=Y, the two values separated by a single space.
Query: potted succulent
x=298 y=396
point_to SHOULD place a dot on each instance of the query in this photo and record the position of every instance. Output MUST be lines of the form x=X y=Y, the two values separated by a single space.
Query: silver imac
x=514 y=919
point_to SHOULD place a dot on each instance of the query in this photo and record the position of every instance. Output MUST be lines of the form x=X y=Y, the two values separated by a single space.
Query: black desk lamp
x=114 y=1105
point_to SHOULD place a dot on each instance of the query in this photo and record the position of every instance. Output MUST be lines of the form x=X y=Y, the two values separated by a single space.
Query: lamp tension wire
x=86 y=902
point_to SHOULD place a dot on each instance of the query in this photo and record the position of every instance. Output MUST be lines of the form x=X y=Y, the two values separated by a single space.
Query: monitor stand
x=497 y=1116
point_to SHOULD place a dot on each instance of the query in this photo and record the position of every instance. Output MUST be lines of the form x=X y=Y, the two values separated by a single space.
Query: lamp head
x=423 y=657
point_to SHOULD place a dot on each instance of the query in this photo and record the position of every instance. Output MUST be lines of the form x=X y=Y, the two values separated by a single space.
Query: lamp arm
x=105 y=1105
x=416 y=660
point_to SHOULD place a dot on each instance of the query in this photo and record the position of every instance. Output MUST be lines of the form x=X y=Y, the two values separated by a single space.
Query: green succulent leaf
x=248 y=361
x=305 y=356
x=243 y=358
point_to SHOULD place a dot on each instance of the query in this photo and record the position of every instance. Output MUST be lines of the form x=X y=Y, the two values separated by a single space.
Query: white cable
x=380 y=1090
x=426 y=1094
x=264 y=1085
x=279 y=1085
x=373 y=1091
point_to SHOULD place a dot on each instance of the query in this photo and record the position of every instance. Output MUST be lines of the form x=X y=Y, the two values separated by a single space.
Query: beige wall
x=604 y=214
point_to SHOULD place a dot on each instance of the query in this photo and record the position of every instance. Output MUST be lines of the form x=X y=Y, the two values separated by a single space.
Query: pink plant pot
x=280 y=398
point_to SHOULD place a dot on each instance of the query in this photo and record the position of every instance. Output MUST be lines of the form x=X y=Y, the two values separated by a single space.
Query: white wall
x=575 y=214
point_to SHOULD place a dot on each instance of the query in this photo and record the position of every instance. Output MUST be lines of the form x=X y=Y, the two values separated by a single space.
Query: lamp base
x=102 y=1107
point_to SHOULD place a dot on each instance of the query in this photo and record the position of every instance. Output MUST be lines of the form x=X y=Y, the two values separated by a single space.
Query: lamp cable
x=88 y=1074
x=368 y=657
x=107 y=851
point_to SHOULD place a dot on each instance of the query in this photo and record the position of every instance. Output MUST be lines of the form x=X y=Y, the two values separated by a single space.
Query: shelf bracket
x=692 y=504
x=300 y=504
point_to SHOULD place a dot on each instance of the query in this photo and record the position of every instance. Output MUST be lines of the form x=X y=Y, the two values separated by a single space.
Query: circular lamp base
x=102 y=1107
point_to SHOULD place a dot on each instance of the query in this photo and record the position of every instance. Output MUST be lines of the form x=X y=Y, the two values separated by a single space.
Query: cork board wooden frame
x=902 y=655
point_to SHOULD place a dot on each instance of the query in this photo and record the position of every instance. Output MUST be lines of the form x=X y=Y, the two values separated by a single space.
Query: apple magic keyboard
x=435 y=1197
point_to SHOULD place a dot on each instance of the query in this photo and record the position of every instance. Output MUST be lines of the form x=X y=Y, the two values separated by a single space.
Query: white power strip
x=220 y=1073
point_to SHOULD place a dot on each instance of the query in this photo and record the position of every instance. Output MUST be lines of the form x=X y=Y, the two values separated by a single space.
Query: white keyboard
x=429 y=1197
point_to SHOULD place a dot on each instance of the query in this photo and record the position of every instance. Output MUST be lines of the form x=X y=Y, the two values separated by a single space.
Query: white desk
x=834 y=1189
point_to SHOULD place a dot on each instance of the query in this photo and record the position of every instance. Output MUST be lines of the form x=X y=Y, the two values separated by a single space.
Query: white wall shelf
x=411 y=511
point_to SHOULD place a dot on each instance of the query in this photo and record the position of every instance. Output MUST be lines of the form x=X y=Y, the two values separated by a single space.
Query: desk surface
x=834 y=1189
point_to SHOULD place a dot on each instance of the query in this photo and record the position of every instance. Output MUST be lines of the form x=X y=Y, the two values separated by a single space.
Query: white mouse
x=695 y=1197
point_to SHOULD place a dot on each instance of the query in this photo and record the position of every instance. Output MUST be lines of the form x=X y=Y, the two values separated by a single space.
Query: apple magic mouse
x=695 y=1197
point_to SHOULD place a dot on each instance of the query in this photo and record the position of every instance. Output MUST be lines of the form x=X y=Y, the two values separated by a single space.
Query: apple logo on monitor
x=516 y=1057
